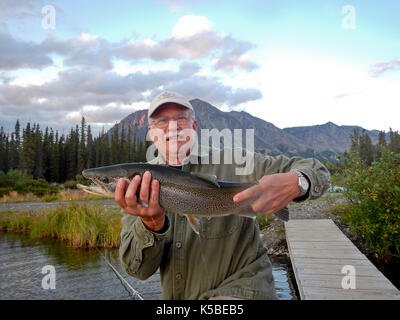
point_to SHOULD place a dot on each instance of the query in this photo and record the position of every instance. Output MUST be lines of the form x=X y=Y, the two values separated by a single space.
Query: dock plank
x=319 y=250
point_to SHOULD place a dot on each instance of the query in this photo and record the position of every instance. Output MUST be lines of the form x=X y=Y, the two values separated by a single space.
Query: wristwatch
x=303 y=183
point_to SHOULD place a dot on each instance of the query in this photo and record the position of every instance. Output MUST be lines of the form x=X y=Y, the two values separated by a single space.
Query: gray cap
x=169 y=96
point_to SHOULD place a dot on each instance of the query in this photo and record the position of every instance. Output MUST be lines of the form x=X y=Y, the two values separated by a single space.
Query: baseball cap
x=169 y=96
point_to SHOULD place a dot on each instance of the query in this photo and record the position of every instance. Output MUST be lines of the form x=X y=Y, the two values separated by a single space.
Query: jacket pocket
x=219 y=227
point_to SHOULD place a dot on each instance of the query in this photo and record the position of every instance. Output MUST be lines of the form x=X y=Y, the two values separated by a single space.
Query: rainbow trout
x=192 y=194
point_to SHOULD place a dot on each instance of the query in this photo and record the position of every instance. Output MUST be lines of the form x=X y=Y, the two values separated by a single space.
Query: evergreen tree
x=54 y=165
x=17 y=146
x=82 y=154
x=28 y=150
x=123 y=146
x=129 y=145
x=62 y=173
x=3 y=151
x=91 y=155
x=394 y=143
x=355 y=141
x=13 y=153
x=115 y=149
x=134 y=144
x=381 y=144
x=47 y=145
x=37 y=141
x=366 y=148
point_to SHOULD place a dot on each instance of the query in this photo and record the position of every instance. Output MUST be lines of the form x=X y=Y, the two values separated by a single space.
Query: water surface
x=84 y=274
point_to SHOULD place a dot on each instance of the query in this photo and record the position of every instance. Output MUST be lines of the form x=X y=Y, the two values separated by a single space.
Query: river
x=84 y=274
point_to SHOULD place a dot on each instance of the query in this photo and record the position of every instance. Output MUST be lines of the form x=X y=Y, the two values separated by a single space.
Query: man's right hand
x=153 y=217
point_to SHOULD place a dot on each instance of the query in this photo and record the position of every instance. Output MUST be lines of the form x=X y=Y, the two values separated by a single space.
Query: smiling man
x=226 y=260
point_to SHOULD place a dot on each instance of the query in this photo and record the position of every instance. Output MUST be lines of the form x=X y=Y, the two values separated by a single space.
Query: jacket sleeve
x=316 y=172
x=141 y=250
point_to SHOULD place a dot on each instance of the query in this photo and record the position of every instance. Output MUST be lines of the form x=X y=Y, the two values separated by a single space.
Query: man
x=226 y=258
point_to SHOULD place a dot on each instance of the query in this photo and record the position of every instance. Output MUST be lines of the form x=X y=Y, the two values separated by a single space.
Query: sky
x=291 y=63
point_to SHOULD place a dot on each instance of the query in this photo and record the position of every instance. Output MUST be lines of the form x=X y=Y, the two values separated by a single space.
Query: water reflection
x=82 y=273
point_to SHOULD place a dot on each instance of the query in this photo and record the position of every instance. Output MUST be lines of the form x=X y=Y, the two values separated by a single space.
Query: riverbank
x=60 y=196
x=84 y=226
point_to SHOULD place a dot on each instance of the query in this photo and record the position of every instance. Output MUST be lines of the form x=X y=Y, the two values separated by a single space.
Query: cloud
x=105 y=97
x=233 y=55
x=210 y=89
x=16 y=54
x=188 y=26
x=20 y=9
x=186 y=42
x=380 y=68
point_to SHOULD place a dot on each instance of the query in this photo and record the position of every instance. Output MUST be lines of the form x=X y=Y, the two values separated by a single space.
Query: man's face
x=173 y=131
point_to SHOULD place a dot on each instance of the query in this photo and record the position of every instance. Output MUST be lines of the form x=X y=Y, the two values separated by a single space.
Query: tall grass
x=62 y=195
x=79 y=226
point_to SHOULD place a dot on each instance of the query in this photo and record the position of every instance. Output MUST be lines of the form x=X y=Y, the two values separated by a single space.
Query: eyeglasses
x=163 y=122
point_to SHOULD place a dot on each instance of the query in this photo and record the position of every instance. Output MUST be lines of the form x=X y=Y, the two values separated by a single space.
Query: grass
x=263 y=221
x=63 y=195
x=78 y=226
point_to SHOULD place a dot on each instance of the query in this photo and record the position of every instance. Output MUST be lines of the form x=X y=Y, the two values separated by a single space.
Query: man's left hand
x=272 y=193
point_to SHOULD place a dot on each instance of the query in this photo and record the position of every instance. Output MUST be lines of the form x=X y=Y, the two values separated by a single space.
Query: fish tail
x=283 y=214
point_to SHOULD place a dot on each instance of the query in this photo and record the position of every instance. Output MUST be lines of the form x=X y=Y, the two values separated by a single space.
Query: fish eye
x=104 y=179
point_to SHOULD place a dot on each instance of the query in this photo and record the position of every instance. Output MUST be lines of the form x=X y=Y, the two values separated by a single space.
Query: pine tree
x=134 y=144
x=62 y=173
x=366 y=148
x=38 y=167
x=115 y=149
x=3 y=151
x=13 y=153
x=355 y=141
x=17 y=146
x=47 y=142
x=28 y=150
x=129 y=145
x=394 y=143
x=123 y=146
x=381 y=144
x=82 y=154
x=91 y=155
x=54 y=166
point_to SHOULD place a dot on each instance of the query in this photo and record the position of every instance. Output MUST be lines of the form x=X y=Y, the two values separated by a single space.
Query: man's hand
x=272 y=193
x=153 y=217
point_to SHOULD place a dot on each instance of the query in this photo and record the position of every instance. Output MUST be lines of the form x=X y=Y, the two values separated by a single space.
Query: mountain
x=321 y=141
x=329 y=136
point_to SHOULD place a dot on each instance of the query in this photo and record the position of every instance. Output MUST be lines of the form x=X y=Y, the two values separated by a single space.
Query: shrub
x=374 y=201
x=70 y=184
x=16 y=180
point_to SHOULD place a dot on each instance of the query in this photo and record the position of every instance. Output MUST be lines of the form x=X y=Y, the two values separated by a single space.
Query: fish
x=192 y=194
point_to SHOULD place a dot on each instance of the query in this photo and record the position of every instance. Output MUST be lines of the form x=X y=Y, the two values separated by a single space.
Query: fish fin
x=248 y=214
x=283 y=214
x=234 y=184
x=212 y=178
x=194 y=223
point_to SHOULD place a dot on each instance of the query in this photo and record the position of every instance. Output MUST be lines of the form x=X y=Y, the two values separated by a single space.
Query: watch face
x=303 y=183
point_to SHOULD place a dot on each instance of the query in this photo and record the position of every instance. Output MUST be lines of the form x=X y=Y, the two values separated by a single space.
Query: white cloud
x=304 y=91
x=188 y=26
x=379 y=68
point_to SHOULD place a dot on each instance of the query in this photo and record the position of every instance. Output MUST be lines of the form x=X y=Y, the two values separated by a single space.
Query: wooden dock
x=328 y=266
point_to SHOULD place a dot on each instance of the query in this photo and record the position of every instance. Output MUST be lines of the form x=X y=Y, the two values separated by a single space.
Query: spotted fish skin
x=194 y=194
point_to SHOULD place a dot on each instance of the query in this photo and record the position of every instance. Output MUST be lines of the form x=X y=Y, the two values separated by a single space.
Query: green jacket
x=227 y=258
